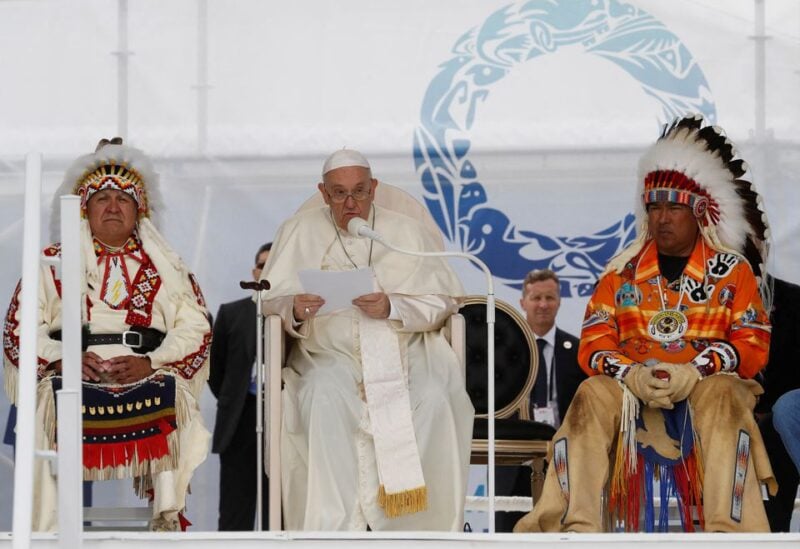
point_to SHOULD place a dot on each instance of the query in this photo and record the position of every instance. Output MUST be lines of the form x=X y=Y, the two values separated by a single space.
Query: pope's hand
x=374 y=305
x=306 y=306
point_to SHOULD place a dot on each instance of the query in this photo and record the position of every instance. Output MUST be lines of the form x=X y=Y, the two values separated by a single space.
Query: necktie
x=540 y=385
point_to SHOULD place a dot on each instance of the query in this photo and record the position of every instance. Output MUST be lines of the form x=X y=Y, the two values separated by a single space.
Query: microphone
x=259 y=286
x=359 y=227
x=254 y=285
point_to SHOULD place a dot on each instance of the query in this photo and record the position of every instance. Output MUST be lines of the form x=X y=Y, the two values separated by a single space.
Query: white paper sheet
x=337 y=288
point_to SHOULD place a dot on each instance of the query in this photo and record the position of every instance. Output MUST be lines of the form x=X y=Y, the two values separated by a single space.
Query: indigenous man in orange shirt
x=672 y=338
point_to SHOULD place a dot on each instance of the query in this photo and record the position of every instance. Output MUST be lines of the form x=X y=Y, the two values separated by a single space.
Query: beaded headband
x=116 y=177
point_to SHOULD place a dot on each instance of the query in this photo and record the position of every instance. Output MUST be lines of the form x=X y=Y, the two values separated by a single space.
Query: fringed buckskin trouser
x=723 y=410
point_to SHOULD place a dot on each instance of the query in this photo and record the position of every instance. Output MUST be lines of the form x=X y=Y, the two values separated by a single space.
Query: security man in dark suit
x=559 y=374
x=557 y=378
x=233 y=355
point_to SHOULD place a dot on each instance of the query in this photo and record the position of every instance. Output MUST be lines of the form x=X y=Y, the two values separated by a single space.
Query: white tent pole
x=202 y=75
x=122 y=54
x=70 y=454
x=26 y=387
x=202 y=230
x=760 y=80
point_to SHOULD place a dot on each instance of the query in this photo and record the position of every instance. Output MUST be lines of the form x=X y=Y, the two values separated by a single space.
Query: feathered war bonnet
x=111 y=166
x=695 y=165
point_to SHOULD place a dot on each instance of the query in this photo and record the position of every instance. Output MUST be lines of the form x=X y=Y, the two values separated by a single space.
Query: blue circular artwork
x=617 y=32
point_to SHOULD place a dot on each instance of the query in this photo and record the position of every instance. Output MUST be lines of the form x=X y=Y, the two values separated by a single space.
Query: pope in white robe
x=377 y=422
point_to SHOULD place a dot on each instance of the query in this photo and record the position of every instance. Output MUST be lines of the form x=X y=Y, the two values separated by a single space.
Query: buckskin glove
x=646 y=387
x=682 y=379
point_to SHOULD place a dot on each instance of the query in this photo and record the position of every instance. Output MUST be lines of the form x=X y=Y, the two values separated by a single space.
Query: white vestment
x=330 y=479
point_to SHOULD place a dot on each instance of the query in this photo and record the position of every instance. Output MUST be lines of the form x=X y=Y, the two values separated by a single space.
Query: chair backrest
x=393 y=198
x=516 y=360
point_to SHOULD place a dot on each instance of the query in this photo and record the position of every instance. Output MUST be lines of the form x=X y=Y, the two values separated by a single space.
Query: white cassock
x=330 y=476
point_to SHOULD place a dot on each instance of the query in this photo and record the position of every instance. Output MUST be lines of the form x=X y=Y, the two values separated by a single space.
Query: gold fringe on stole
x=403 y=503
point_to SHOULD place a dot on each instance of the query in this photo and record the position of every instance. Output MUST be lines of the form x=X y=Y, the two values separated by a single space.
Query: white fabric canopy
x=543 y=115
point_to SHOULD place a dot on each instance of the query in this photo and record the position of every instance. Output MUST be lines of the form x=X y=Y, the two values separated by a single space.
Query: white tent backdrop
x=519 y=123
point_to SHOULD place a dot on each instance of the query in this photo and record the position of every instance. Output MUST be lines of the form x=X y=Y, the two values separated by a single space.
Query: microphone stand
x=257 y=287
x=360 y=228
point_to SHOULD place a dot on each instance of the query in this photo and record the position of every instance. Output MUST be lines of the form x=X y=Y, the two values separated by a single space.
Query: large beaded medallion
x=667 y=325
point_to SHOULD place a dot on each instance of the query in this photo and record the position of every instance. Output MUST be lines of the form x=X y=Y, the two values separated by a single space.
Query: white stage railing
x=70 y=448
x=70 y=464
x=26 y=385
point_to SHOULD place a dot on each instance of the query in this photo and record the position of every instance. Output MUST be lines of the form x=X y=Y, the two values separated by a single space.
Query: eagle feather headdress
x=696 y=165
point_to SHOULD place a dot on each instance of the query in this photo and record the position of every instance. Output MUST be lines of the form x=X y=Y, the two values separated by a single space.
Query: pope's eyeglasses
x=340 y=195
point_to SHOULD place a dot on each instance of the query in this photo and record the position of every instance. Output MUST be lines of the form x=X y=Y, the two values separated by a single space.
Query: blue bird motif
x=511 y=253
x=489 y=234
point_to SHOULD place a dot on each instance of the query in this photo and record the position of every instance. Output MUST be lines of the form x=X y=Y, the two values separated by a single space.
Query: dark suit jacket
x=568 y=373
x=782 y=372
x=780 y=375
x=232 y=355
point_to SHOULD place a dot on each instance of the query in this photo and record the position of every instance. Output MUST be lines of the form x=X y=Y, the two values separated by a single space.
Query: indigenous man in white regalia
x=146 y=338
x=377 y=423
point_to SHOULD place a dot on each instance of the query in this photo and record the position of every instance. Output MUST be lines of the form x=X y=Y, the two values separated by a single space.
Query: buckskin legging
x=722 y=408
